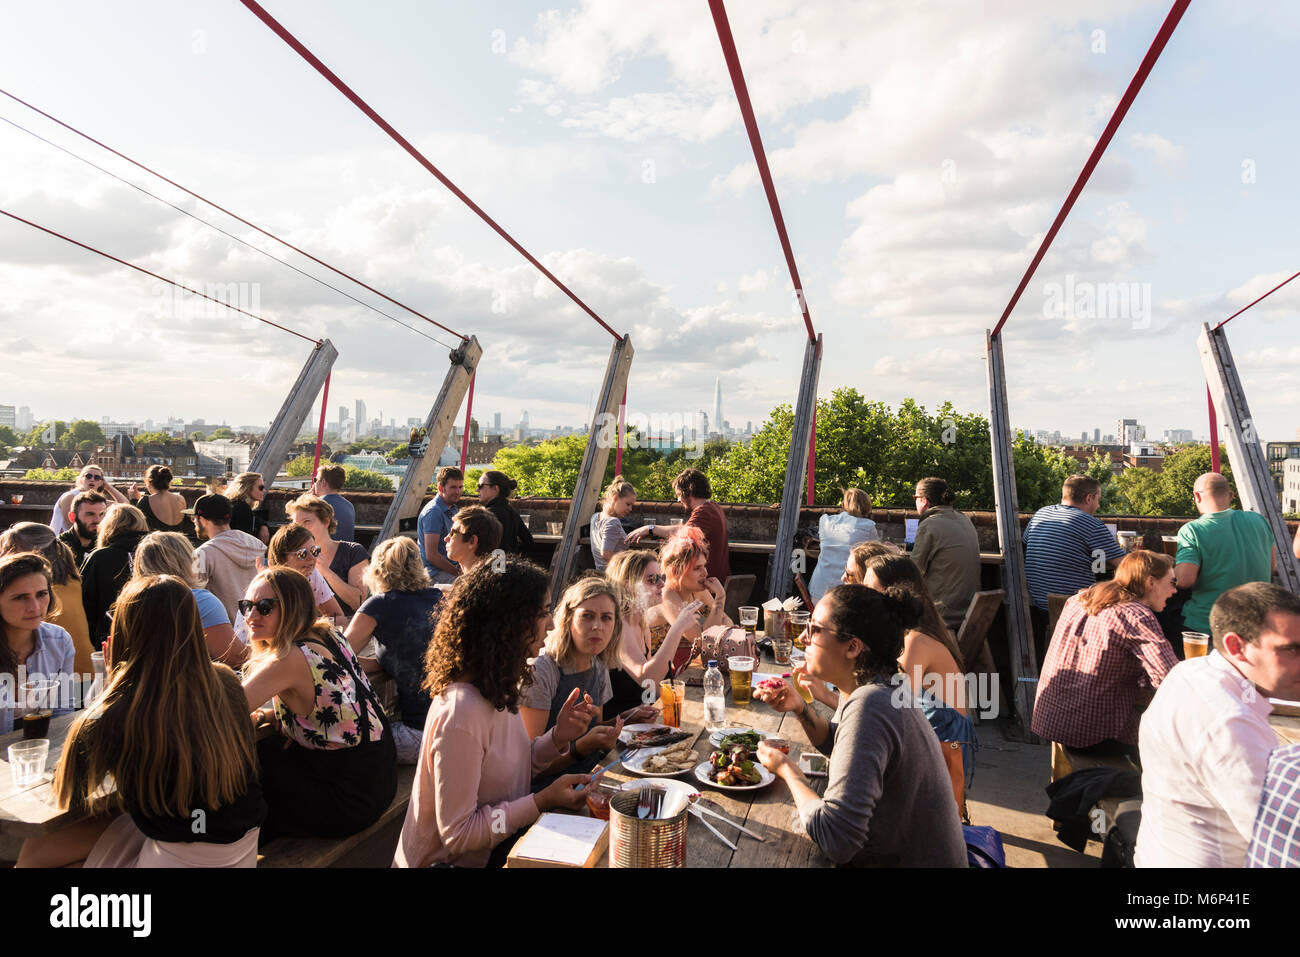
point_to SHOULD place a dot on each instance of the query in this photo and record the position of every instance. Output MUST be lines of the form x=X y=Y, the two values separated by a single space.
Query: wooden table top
x=32 y=811
x=769 y=811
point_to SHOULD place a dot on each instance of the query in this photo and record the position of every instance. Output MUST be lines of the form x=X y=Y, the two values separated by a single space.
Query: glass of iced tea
x=742 y=676
x=671 y=696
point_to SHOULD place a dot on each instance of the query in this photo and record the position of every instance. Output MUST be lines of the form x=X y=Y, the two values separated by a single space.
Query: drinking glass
x=27 y=761
x=524 y=517
x=742 y=676
x=749 y=618
x=1195 y=644
x=781 y=647
x=671 y=696
x=796 y=625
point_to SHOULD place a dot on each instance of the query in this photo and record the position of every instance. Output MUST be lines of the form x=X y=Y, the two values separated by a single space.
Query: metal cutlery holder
x=649 y=843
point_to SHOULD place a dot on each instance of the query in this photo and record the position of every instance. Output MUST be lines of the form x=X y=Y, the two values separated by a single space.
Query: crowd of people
x=244 y=660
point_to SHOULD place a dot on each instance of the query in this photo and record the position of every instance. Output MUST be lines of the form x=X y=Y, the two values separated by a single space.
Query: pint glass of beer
x=742 y=674
x=1195 y=644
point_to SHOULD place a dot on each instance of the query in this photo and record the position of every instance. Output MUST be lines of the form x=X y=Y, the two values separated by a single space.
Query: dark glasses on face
x=306 y=553
x=261 y=488
x=655 y=579
x=264 y=606
x=95 y=478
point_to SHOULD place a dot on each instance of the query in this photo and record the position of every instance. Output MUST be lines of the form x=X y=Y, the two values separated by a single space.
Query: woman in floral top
x=332 y=769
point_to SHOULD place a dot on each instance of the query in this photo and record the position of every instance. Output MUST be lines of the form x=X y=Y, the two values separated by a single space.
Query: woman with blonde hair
x=837 y=535
x=685 y=560
x=331 y=771
x=170 y=553
x=66 y=609
x=399 y=615
x=171 y=733
x=341 y=564
x=91 y=479
x=643 y=657
x=1106 y=658
x=27 y=640
x=246 y=494
x=164 y=510
x=294 y=547
x=108 y=567
x=578 y=654
x=608 y=537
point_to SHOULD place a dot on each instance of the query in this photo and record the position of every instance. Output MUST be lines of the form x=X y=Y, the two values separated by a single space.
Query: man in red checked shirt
x=693 y=491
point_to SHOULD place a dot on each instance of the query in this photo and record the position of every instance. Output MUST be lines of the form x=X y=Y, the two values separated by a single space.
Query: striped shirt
x=1276 y=842
x=1061 y=544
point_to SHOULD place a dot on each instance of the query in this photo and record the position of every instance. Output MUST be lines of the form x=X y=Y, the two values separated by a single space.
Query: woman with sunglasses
x=246 y=494
x=294 y=547
x=494 y=489
x=888 y=800
x=332 y=770
x=342 y=564
x=91 y=479
x=164 y=510
x=644 y=656
x=399 y=616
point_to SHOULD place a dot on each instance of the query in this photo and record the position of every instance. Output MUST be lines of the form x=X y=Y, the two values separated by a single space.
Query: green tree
x=36 y=438
x=549 y=468
x=366 y=479
x=8 y=436
x=197 y=437
x=300 y=466
x=82 y=430
x=46 y=475
x=151 y=438
x=222 y=433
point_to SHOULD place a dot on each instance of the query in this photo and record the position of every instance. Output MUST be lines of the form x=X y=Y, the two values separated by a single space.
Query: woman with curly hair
x=331 y=771
x=685 y=560
x=888 y=800
x=171 y=734
x=642 y=659
x=471 y=789
x=399 y=616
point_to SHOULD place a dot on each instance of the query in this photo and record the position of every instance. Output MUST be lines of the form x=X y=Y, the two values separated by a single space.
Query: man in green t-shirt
x=1222 y=549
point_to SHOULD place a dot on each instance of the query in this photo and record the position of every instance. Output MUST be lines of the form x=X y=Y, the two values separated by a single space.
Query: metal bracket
x=274 y=447
x=780 y=575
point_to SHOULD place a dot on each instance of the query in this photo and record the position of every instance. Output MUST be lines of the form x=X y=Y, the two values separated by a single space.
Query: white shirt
x=1205 y=743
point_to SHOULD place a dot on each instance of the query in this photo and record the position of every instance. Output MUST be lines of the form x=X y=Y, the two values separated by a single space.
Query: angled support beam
x=603 y=437
x=1249 y=467
x=781 y=571
x=275 y=445
x=1024 y=666
x=410 y=492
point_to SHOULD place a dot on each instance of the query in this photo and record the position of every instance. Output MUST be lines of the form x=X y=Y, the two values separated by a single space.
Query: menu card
x=561 y=840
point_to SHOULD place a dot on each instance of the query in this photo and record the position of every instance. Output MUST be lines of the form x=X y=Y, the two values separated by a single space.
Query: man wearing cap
x=228 y=558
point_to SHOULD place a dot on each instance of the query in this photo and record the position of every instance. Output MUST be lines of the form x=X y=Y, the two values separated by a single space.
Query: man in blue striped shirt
x=1066 y=548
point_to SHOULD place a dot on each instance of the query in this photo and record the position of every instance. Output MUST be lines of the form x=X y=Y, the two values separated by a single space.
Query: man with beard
x=88 y=510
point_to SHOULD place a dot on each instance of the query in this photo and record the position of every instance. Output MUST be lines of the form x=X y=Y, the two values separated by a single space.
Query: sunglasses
x=656 y=579
x=261 y=488
x=306 y=553
x=95 y=478
x=264 y=606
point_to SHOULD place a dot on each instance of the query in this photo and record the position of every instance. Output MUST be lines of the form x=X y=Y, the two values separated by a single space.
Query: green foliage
x=300 y=465
x=549 y=468
x=365 y=479
x=222 y=433
x=8 y=436
x=152 y=438
x=48 y=475
x=83 y=430
x=198 y=437
x=1141 y=491
x=36 y=437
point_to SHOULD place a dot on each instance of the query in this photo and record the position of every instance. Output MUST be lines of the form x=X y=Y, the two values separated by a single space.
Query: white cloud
x=1165 y=152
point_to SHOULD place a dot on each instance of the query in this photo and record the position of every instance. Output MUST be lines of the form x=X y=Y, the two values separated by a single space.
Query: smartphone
x=814 y=765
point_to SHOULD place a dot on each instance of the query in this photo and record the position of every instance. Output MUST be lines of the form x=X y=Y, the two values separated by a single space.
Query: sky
x=920 y=151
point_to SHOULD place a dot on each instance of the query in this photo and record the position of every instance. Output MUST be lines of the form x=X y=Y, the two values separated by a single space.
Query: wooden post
x=410 y=492
x=780 y=571
x=275 y=445
x=1249 y=467
x=1024 y=665
x=603 y=437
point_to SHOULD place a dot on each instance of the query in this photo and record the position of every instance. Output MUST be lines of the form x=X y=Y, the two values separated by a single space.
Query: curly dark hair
x=878 y=621
x=484 y=630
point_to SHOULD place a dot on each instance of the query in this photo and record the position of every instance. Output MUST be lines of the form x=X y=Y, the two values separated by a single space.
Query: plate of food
x=651 y=735
x=665 y=762
x=734 y=770
x=724 y=738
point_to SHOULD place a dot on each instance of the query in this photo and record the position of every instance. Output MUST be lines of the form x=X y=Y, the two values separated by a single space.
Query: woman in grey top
x=889 y=801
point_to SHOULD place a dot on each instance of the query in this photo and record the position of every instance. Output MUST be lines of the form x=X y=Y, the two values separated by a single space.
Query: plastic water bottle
x=715 y=701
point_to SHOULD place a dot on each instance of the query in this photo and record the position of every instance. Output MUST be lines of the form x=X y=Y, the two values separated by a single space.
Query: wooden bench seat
x=373 y=847
x=1067 y=761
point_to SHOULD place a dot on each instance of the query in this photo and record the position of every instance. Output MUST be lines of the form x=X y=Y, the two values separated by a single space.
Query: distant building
x=26 y=421
x=1291 y=486
x=55 y=459
x=1277 y=453
x=9 y=416
x=1145 y=455
x=224 y=457
x=1096 y=435
x=123 y=459
x=361 y=419
x=1178 y=436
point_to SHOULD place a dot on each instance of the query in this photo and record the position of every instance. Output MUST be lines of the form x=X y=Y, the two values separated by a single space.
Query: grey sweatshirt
x=229 y=564
x=889 y=800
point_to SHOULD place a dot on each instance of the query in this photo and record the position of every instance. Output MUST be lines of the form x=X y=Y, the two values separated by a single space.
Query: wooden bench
x=373 y=847
x=1067 y=761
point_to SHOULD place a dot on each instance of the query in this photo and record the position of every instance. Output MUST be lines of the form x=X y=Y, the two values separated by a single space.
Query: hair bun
x=907 y=609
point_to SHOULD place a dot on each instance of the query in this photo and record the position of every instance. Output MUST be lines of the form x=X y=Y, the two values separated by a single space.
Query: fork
x=644 y=803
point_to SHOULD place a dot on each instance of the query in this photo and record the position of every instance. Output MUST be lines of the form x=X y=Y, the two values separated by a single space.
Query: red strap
x=154 y=275
x=1135 y=85
x=319 y=262
x=401 y=141
x=320 y=430
x=760 y=157
x=1248 y=305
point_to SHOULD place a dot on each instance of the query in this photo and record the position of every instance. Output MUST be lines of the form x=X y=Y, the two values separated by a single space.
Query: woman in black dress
x=247 y=515
x=494 y=490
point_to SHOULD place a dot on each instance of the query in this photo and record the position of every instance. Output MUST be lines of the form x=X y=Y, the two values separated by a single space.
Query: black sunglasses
x=305 y=553
x=264 y=606
x=655 y=579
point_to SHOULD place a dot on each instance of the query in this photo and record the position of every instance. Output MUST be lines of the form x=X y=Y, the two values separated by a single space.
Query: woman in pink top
x=471 y=790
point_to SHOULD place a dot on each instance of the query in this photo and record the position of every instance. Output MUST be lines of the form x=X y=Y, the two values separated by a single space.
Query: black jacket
x=515 y=536
x=105 y=573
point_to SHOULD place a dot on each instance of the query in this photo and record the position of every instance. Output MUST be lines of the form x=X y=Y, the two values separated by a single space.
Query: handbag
x=725 y=641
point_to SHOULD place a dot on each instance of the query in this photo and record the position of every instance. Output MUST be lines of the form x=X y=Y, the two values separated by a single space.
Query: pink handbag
x=722 y=642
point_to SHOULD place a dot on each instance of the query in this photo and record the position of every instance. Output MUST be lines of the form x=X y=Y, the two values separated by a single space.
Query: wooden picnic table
x=32 y=811
x=769 y=811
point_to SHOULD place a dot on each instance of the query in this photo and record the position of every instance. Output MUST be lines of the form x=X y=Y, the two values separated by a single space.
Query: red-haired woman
x=685 y=560
x=1106 y=658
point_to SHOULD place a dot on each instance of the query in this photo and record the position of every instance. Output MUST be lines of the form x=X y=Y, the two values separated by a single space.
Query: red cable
x=401 y=141
x=320 y=430
x=464 y=440
x=1135 y=85
x=156 y=276
x=1265 y=296
x=319 y=262
x=760 y=157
